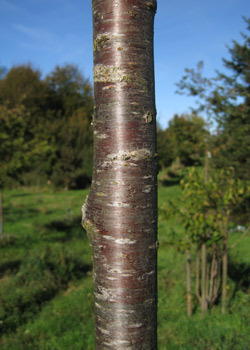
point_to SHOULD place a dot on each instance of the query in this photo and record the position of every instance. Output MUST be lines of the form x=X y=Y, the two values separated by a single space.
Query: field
x=46 y=298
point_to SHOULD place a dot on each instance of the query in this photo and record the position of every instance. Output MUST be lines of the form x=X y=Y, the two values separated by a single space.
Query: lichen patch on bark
x=108 y=74
x=100 y=41
x=138 y=154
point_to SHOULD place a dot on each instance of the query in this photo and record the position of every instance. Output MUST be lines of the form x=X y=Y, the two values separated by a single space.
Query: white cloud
x=37 y=39
x=34 y=33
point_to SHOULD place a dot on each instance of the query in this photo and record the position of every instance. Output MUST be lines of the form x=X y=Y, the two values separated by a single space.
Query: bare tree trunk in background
x=203 y=279
x=120 y=214
x=1 y=214
x=224 y=270
x=197 y=281
x=206 y=166
x=211 y=295
x=189 y=298
x=204 y=276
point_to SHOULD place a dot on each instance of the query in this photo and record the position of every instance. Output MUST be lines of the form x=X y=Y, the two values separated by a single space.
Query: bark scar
x=148 y=117
x=86 y=223
x=84 y=211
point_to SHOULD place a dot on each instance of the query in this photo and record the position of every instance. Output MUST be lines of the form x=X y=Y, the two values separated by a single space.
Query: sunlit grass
x=46 y=290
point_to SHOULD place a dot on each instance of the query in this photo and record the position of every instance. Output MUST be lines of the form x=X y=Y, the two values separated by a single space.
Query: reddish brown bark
x=120 y=214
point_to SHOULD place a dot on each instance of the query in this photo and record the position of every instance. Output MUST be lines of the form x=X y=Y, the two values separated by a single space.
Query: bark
x=120 y=214
x=206 y=167
x=203 y=279
x=217 y=281
x=207 y=282
x=1 y=214
x=197 y=282
x=224 y=272
x=212 y=280
x=189 y=298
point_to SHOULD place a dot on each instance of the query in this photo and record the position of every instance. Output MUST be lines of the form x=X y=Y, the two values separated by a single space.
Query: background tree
x=226 y=99
x=22 y=85
x=57 y=118
x=208 y=206
x=187 y=134
x=184 y=139
x=68 y=89
x=17 y=154
x=120 y=214
x=71 y=99
x=164 y=148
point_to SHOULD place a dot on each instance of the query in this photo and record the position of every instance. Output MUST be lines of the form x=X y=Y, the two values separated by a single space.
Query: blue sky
x=50 y=32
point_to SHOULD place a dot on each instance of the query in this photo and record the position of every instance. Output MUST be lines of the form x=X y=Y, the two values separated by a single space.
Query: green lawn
x=46 y=298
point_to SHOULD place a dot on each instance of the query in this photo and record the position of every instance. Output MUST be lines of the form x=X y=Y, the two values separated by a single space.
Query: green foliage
x=68 y=90
x=17 y=153
x=226 y=98
x=22 y=85
x=184 y=139
x=7 y=240
x=45 y=127
x=73 y=167
x=209 y=203
x=215 y=331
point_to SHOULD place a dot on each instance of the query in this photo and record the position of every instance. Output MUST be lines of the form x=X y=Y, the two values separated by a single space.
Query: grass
x=46 y=292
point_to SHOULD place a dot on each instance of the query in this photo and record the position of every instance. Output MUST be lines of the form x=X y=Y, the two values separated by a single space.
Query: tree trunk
x=206 y=167
x=120 y=214
x=189 y=299
x=204 y=276
x=224 y=272
x=203 y=279
x=1 y=214
x=197 y=281
x=211 y=294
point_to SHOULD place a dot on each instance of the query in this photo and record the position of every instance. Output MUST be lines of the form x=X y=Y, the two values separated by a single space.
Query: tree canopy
x=184 y=139
x=45 y=126
x=226 y=98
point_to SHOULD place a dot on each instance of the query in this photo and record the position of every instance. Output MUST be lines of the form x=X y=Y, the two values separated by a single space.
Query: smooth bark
x=120 y=214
